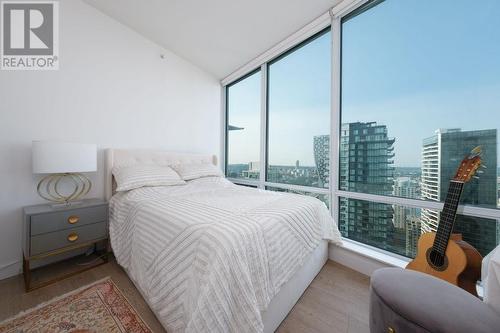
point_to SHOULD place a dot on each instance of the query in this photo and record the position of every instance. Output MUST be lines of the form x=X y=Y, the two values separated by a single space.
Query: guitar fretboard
x=447 y=216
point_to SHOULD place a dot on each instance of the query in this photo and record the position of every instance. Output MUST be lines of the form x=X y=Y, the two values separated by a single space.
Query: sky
x=414 y=66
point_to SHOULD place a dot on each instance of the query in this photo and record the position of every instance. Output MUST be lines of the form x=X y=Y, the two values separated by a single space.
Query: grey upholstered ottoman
x=404 y=301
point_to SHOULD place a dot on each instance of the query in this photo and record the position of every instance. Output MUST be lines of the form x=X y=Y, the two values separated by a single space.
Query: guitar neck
x=447 y=216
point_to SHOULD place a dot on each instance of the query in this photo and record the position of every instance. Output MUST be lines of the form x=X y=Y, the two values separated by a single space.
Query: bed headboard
x=121 y=157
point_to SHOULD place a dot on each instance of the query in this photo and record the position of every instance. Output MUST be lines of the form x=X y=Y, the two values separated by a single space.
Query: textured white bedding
x=209 y=256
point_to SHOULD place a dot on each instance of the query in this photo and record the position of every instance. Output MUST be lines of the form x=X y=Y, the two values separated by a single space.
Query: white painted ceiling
x=218 y=36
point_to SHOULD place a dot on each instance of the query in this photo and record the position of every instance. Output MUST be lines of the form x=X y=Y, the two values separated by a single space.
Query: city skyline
x=366 y=158
x=405 y=80
x=417 y=165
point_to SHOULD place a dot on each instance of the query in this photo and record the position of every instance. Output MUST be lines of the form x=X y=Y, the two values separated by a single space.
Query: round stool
x=405 y=301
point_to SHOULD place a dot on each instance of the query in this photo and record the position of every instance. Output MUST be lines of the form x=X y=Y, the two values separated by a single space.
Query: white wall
x=112 y=89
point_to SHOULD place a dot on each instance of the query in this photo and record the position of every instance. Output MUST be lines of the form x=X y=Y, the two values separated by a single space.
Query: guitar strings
x=447 y=217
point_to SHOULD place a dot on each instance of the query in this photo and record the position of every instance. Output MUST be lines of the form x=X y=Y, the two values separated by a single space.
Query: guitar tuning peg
x=480 y=171
x=475 y=177
x=484 y=166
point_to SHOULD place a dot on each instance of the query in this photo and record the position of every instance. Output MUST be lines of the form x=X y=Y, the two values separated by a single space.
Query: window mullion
x=308 y=189
x=335 y=117
x=468 y=210
x=263 y=127
x=223 y=143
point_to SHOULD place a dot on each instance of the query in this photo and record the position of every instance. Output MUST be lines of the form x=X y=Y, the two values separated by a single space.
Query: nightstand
x=52 y=231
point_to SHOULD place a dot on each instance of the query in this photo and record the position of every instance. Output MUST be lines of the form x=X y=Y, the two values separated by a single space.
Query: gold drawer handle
x=72 y=237
x=73 y=219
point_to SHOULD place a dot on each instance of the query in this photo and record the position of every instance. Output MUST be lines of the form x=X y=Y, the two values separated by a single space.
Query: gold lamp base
x=48 y=187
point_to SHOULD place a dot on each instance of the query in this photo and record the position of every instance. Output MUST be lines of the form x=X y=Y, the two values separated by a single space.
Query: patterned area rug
x=99 y=307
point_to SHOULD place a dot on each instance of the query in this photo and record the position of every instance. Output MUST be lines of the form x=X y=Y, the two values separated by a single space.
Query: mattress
x=211 y=255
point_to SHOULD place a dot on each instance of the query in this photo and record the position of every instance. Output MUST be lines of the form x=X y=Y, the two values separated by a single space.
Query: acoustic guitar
x=443 y=254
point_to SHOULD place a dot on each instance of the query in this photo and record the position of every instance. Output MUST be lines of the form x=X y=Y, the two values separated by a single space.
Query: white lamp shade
x=63 y=157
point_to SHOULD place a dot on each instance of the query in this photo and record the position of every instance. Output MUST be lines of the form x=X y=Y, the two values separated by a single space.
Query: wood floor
x=335 y=302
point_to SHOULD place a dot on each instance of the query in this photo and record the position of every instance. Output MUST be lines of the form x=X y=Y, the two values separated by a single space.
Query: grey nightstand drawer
x=56 y=221
x=59 y=239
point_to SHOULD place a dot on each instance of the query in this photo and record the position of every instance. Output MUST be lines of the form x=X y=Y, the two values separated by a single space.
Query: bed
x=211 y=255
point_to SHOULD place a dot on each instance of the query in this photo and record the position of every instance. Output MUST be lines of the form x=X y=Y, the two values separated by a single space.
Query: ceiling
x=218 y=36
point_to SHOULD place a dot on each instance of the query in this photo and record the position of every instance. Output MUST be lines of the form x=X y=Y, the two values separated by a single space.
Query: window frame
x=262 y=182
x=333 y=21
x=225 y=126
x=266 y=110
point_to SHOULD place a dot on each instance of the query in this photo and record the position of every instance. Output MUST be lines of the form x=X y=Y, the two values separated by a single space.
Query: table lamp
x=63 y=162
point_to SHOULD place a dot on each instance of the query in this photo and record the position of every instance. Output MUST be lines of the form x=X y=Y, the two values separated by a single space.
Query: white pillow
x=193 y=171
x=135 y=176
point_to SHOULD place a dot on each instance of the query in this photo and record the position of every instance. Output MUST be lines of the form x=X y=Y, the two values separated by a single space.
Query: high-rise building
x=366 y=154
x=441 y=156
x=413 y=230
x=498 y=190
x=430 y=181
x=252 y=172
x=322 y=158
x=405 y=187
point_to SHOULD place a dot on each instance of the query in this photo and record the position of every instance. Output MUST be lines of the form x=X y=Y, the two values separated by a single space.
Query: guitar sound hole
x=437 y=260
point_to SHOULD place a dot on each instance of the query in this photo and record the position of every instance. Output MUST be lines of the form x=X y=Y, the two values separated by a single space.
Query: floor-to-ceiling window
x=413 y=94
x=298 y=99
x=418 y=93
x=297 y=122
x=243 y=105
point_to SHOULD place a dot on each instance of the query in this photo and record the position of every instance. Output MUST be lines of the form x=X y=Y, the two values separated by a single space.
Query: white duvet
x=209 y=256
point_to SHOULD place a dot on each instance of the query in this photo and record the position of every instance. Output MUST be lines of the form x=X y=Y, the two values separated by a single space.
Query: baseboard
x=11 y=269
x=362 y=259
